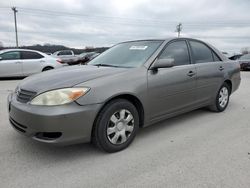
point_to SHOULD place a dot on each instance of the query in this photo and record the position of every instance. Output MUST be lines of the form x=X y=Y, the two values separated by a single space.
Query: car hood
x=66 y=77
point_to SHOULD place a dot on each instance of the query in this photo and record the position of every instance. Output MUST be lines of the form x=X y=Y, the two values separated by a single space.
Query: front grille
x=25 y=96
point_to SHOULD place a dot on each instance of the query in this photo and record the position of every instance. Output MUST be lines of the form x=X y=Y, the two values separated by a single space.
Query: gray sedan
x=133 y=84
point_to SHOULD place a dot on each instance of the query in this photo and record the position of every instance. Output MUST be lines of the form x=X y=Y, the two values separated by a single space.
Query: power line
x=138 y=22
x=150 y=23
x=113 y=22
x=86 y=15
x=105 y=18
x=118 y=34
x=4 y=7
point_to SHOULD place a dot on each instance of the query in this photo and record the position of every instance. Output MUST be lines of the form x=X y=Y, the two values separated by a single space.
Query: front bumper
x=62 y=125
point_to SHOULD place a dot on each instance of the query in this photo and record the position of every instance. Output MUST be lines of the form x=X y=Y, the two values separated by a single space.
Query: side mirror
x=163 y=63
x=1 y=58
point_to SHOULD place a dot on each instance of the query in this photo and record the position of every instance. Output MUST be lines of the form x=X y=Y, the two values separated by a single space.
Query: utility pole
x=15 y=11
x=178 y=29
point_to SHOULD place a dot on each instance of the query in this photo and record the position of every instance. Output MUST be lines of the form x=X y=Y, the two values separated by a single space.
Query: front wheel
x=116 y=126
x=222 y=99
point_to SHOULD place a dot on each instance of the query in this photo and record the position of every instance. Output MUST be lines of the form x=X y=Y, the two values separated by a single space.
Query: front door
x=172 y=89
x=10 y=64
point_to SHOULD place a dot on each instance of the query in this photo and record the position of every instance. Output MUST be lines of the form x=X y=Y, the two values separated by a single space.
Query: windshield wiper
x=104 y=65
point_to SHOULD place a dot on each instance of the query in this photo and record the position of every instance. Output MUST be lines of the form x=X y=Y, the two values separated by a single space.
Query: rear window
x=201 y=53
x=65 y=52
x=31 y=55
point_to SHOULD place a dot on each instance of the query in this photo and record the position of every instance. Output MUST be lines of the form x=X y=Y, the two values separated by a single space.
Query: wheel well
x=229 y=83
x=135 y=101
x=47 y=67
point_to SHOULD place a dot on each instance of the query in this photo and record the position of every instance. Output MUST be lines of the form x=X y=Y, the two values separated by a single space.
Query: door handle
x=221 y=68
x=191 y=73
x=17 y=62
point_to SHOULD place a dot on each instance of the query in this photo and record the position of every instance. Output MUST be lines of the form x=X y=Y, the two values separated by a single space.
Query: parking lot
x=197 y=149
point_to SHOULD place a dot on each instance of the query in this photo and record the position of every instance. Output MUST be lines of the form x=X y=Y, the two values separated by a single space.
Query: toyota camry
x=134 y=84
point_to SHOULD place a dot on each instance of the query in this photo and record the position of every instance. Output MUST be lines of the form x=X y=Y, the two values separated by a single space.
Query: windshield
x=128 y=54
x=245 y=57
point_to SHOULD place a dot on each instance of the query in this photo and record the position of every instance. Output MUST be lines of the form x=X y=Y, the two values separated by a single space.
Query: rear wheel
x=222 y=99
x=47 y=68
x=116 y=126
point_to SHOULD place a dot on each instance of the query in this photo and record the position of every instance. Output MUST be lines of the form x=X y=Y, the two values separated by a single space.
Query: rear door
x=210 y=70
x=172 y=89
x=32 y=62
x=10 y=64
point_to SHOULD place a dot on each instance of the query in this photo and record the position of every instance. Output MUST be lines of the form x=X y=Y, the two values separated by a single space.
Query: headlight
x=59 y=96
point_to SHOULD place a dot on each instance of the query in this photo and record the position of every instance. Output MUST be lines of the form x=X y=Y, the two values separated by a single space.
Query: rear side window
x=201 y=53
x=31 y=55
x=10 y=55
x=65 y=52
x=178 y=51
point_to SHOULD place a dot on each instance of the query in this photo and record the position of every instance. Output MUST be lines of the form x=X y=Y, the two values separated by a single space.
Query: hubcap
x=223 y=97
x=120 y=127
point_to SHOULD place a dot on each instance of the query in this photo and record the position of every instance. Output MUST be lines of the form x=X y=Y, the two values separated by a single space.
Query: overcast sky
x=74 y=23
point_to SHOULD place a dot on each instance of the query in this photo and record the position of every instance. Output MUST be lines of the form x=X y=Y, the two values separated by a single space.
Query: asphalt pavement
x=197 y=149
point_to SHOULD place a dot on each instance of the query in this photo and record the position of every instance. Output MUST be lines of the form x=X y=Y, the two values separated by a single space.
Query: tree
x=1 y=45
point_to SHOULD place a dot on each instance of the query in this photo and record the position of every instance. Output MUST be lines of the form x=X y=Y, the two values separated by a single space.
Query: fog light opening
x=48 y=135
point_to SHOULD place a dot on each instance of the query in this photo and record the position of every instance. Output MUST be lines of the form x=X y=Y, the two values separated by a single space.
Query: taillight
x=59 y=61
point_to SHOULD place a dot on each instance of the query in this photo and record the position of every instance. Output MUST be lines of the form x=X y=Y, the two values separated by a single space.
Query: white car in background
x=22 y=62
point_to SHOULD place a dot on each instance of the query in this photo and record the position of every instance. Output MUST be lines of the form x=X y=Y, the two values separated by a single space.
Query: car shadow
x=179 y=120
x=47 y=153
x=12 y=78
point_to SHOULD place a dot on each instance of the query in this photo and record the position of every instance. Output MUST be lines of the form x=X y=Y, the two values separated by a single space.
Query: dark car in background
x=133 y=84
x=245 y=62
x=68 y=57
x=87 y=56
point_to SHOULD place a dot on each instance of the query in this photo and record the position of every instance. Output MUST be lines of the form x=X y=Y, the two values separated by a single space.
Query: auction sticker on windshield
x=138 y=47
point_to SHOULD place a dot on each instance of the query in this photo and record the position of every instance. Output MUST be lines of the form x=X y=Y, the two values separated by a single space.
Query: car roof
x=19 y=49
x=167 y=39
x=148 y=40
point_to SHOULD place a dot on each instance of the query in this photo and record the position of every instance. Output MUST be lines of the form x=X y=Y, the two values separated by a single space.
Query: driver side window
x=10 y=55
x=178 y=51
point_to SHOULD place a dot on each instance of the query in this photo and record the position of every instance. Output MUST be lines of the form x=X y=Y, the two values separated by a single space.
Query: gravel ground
x=197 y=149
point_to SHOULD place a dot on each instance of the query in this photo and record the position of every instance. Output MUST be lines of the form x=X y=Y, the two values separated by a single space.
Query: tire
x=116 y=126
x=222 y=99
x=47 y=68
